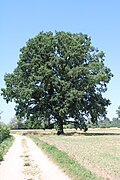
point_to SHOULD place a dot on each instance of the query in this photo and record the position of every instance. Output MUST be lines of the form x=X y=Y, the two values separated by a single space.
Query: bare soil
x=25 y=161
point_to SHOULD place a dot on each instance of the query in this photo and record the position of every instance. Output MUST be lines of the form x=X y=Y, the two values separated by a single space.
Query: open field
x=97 y=150
x=68 y=165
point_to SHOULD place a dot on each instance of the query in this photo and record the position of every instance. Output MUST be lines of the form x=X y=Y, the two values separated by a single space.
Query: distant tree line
x=18 y=123
x=107 y=123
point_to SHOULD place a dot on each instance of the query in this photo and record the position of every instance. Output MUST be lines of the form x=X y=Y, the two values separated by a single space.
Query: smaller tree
x=105 y=123
x=16 y=123
x=32 y=123
x=115 y=122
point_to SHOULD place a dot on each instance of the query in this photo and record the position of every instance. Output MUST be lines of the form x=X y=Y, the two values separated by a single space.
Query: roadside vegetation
x=4 y=132
x=5 y=140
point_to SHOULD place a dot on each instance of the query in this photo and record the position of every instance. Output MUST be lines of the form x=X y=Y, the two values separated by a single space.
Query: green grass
x=5 y=145
x=67 y=164
x=26 y=164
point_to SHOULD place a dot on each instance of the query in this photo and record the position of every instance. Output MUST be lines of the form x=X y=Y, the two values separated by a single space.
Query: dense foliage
x=4 y=132
x=59 y=76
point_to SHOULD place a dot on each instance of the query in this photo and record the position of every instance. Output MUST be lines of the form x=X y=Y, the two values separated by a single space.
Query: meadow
x=98 y=150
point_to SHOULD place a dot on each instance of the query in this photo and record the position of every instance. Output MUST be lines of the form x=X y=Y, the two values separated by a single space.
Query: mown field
x=98 y=150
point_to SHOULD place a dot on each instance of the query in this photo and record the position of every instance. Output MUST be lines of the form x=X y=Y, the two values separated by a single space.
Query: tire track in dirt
x=48 y=170
x=12 y=166
x=31 y=170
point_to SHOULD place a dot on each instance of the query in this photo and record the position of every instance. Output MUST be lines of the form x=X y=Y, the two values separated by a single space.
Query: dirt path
x=25 y=161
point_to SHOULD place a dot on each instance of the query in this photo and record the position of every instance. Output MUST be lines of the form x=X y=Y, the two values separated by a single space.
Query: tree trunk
x=60 y=126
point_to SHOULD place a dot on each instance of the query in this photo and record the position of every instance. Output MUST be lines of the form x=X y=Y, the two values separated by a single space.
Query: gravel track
x=25 y=161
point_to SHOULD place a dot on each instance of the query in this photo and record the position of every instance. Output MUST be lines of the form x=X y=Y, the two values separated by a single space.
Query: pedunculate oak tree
x=59 y=76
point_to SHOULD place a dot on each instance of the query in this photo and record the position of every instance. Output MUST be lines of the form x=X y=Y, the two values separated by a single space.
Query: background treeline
x=106 y=123
x=35 y=124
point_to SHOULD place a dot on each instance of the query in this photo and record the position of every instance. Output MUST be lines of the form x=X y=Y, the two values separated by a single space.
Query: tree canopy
x=59 y=76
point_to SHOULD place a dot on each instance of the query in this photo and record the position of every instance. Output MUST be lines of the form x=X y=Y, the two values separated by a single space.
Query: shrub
x=4 y=132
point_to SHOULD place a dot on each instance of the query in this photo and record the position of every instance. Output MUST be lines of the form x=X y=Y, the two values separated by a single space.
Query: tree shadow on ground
x=91 y=134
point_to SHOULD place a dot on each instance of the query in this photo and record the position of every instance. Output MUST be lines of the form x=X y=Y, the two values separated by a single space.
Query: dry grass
x=98 y=150
x=34 y=132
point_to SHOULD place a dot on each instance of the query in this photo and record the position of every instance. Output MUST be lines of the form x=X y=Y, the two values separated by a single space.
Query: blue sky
x=23 y=19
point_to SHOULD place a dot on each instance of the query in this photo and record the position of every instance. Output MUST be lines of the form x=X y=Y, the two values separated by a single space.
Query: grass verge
x=68 y=165
x=5 y=145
